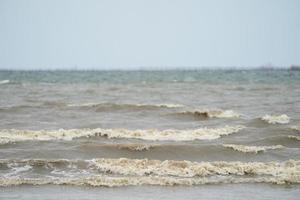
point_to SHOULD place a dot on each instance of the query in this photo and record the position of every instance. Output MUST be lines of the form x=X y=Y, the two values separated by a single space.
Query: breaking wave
x=115 y=106
x=251 y=149
x=4 y=82
x=276 y=119
x=124 y=172
x=296 y=128
x=132 y=147
x=294 y=137
x=12 y=135
x=211 y=113
x=172 y=135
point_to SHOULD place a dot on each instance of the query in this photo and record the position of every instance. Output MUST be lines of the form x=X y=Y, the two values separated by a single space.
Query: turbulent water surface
x=150 y=128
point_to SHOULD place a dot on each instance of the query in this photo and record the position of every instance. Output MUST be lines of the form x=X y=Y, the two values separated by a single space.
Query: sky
x=128 y=34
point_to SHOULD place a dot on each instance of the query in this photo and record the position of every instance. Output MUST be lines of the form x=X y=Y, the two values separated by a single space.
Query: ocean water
x=166 y=134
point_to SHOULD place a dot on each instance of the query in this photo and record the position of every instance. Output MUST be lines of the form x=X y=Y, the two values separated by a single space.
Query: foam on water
x=294 y=137
x=171 y=134
x=4 y=82
x=12 y=135
x=145 y=106
x=105 y=181
x=139 y=167
x=153 y=126
x=251 y=149
x=212 y=113
x=132 y=147
x=296 y=128
x=276 y=119
x=123 y=172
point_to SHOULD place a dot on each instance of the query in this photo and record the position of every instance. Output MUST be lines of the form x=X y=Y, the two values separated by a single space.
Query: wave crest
x=294 y=137
x=212 y=113
x=12 y=135
x=4 y=82
x=124 y=171
x=296 y=128
x=106 y=181
x=172 y=135
x=276 y=119
x=115 y=106
x=133 y=147
x=251 y=149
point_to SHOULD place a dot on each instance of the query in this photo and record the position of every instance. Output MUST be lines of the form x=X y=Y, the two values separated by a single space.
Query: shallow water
x=237 y=191
x=205 y=116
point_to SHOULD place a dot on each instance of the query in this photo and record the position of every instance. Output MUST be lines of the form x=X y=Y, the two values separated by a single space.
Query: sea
x=150 y=134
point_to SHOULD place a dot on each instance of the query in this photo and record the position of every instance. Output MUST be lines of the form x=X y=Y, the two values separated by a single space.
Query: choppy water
x=119 y=128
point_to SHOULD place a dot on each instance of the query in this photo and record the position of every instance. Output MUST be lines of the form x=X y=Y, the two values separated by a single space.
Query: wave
x=251 y=149
x=15 y=108
x=4 y=82
x=45 y=104
x=115 y=106
x=5 y=141
x=107 y=181
x=98 y=107
x=211 y=113
x=172 y=135
x=276 y=119
x=12 y=135
x=294 y=137
x=123 y=172
x=296 y=128
x=131 y=147
x=52 y=104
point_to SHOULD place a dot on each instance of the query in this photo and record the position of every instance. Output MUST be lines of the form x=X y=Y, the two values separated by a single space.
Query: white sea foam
x=166 y=105
x=4 y=82
x=172 y=135
x=226 y=114
x=133 y=147
x=296 y=128
x=5 y=141
x=83 y=104
x=17 y=170
x=12 y=135
x=108 y=181
x=123 y=172
x=252 y=149
x=140 y=167
x=169 y=105
x=276 y=119
x=213 y=113
x=294 y=137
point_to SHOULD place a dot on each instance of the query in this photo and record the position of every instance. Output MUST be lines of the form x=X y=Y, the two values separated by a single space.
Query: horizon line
x=156 y=68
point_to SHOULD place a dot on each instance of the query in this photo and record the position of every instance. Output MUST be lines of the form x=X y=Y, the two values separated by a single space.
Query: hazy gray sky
x=135 y=33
